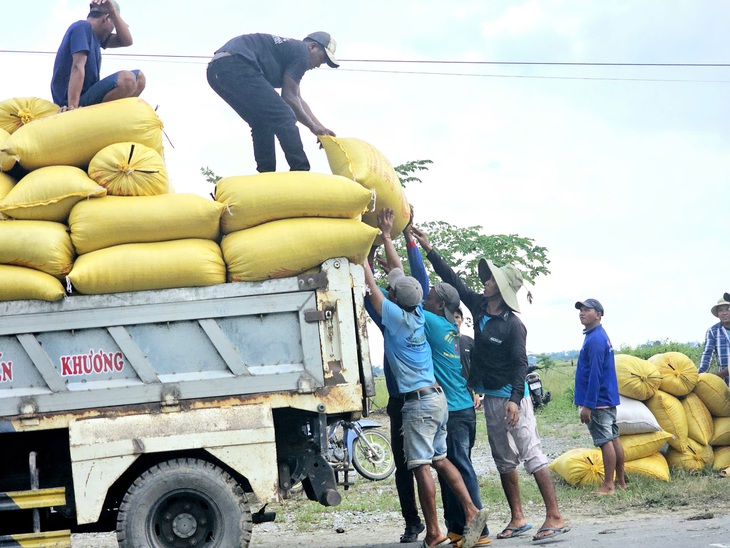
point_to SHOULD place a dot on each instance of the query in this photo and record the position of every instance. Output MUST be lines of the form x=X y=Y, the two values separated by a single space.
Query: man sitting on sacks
x=76 y=81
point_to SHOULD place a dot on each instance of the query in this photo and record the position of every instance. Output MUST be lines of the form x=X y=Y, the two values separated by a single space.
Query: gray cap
x=590 y=303
x=450 y=296
x=94 y=8
x=408 y=292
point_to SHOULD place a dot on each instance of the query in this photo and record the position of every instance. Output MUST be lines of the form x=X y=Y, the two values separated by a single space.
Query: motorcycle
x=538 y=394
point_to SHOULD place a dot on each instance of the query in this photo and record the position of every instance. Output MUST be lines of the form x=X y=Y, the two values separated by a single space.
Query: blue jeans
x=461 y=434
x=96 y=93
x=424 y=429
x=254 y=99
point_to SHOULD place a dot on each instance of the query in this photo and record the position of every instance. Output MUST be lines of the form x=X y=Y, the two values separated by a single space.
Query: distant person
x=76 y=81
x=717 y=340
x=596 y=394
x=466 y=347
x=499 y=368
x=424 y=405
x=246 y=71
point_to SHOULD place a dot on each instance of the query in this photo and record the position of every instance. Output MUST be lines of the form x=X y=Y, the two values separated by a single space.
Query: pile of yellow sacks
x=85 y=199
x=664 y=400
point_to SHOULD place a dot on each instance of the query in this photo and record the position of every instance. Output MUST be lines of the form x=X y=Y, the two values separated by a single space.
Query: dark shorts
x=603 y=427
x=96 y=93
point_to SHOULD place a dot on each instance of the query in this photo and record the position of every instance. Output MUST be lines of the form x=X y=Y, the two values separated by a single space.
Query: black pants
x=403 y=477
x=245 y=89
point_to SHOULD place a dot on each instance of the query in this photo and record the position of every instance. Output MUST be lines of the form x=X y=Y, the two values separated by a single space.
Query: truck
x=175 y=416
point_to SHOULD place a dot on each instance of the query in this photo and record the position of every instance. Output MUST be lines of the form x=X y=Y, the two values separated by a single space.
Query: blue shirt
x=717 y=343
x=78 y=38
x=595 y=376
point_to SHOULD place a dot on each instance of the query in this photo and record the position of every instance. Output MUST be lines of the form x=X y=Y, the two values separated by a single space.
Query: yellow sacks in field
x=634 y=417
x=638 y=446
x=15 y=113
x=73 y=138
x=19 y=283
x=363 y=163
x=6 y=184
x=670 y=415
x=714 y=393
x=291 y=246
x=140 y=267
x=695 y=456
x=580 y=467
x=49 y=193
x=721 y=431
x=722 y=458
x=699 y=420
x=637 y=378
x=256 y=199
x=679 y=373
x=114 y=220
x=42 y=245
x=129 y=169
x=654 y=466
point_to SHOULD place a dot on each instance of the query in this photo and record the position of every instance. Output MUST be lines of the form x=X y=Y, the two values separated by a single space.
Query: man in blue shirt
x=717 y=340
x=76 y=81
x=596 y=393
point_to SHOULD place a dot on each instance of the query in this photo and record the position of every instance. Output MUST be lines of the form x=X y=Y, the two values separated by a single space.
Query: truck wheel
x=184 y=502
x=376 y=463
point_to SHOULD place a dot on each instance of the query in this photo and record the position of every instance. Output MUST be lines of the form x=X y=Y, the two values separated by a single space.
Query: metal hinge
x=308 y=282
x=314 y=316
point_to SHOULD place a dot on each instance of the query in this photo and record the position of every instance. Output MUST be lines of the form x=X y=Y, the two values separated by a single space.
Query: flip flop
x=554 y=532
x=442 y=543
x=512 y=532
x=473 y=531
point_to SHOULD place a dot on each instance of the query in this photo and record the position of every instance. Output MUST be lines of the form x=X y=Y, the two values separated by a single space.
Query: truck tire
x=184 y=502
x=377 y=464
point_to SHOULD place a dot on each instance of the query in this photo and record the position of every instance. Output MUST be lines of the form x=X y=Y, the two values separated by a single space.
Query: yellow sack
x=714 y=393
x=721 y=431
x=722 y=458
x=699 y=420
x=129 y=169
x=49 y=193
x=637 y=378
x=289 y=247
x=256 y=199
x=638 y=446
x=679 y=373
x=654 y=466
x=670 y=415
x=580 y=467
x=15 y=113
x=115 y=220
x=72 y=138
x=140 y=267
x=695 y=457
x=6 y=185
x=19 y=283
x=363 y=163
x=42 y=245
x=6 y=162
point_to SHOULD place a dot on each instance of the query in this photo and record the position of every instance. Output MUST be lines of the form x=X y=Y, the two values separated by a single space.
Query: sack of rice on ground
x=714 y=393
x=634 y=417
x=670 y=415
x=291 y=246
x=637 y=378
x=638 y=446
x=129 y=169
x=694 y=457
x=721 y=431
x=17 y=112
x=722 y=458
x=363 y=163
x=580 y=467
x=654 y=466
x=252 y=200
x=114 y=220
x=43 y=245
x=72 y=138
x=49 y=193
x=140 y=267
x=19 y=283
x=679 y=373
x=699 y=420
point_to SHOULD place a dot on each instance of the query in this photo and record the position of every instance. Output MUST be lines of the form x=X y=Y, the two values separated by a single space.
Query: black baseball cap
x=590 y=303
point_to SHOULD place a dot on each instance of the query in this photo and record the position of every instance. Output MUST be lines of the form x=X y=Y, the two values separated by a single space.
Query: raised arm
x=291 y=94
x=121 y=38
x=385 y=223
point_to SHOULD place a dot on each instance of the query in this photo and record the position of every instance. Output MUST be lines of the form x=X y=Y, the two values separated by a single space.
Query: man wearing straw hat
x=717 y=340
x=499 y=368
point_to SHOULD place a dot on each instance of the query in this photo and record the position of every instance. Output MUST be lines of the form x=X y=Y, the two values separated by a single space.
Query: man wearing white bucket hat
x=717 y=340
x=499 y=368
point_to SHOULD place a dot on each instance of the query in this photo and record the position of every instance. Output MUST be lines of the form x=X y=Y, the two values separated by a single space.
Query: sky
x=621 y=172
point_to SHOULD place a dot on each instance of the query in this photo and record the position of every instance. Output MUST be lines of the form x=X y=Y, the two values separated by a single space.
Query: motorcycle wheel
x=378 y=463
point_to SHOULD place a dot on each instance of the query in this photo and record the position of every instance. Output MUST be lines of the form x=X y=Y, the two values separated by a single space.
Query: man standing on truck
x=245 y=72
x=424 y=409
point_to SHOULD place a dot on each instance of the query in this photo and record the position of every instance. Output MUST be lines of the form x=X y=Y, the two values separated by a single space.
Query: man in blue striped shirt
x=717 y=340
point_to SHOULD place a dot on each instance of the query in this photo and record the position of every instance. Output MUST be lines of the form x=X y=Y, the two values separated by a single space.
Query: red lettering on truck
x=6 y=370
x=91 y=362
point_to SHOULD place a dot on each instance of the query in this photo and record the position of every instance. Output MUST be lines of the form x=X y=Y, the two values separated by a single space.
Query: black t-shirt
x=273 y=55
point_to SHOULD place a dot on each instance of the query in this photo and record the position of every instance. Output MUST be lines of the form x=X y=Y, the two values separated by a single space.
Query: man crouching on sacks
x=76 y=81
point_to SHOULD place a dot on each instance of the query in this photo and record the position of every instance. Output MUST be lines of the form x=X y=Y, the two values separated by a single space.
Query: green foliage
x=210 y=176
x=645 y=351
x=405 y=171
x=544 y=362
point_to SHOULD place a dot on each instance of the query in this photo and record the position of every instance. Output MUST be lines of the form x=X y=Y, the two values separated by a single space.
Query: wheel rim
x=378 y=462
x=184 y=518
